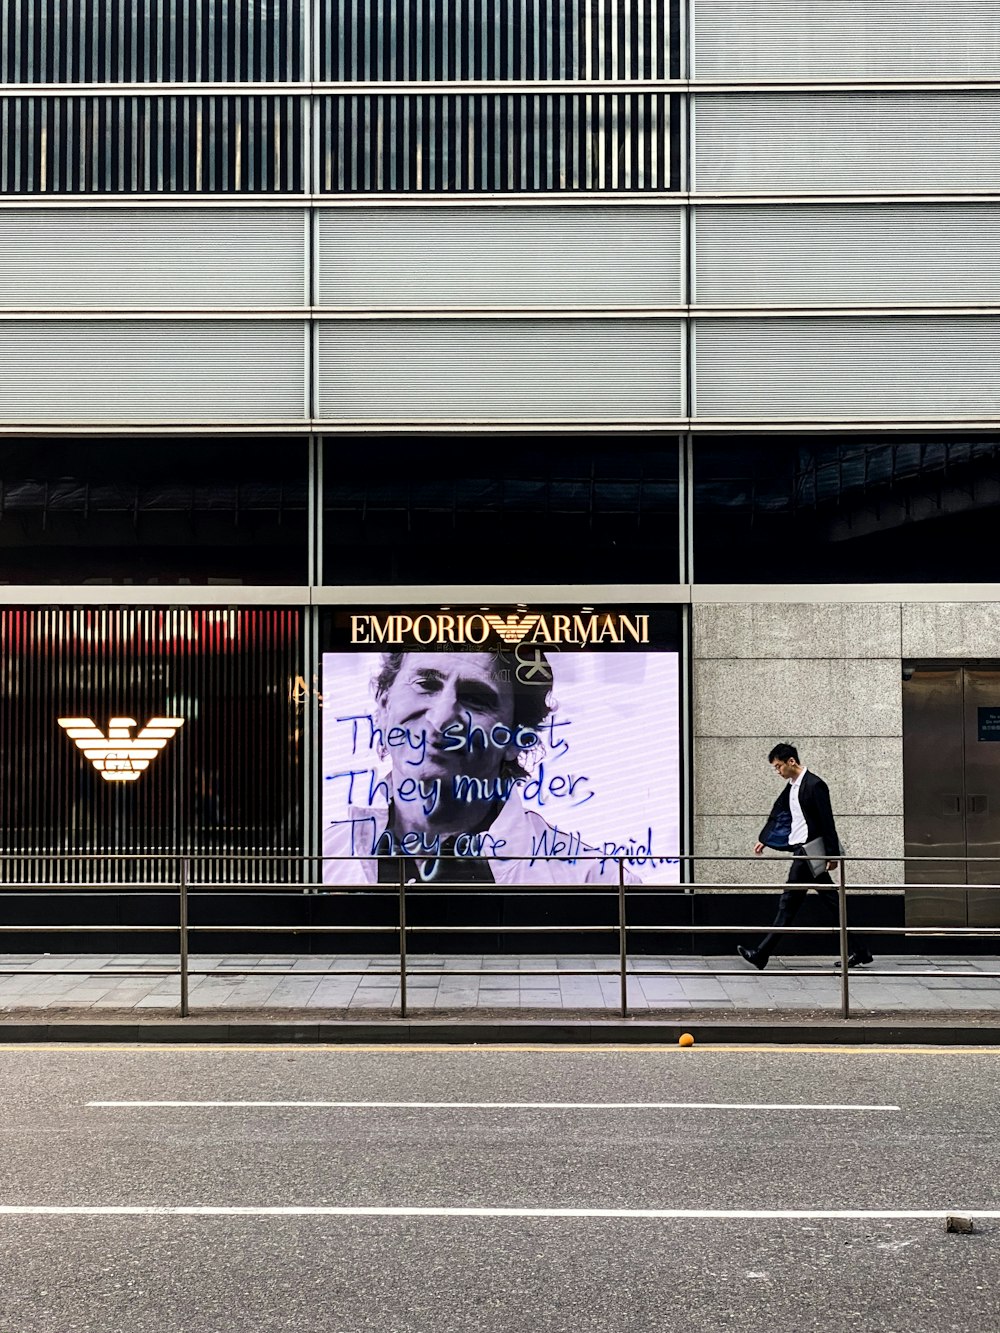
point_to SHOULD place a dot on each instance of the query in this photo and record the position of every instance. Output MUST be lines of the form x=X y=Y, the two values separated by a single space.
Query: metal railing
x=185 y=887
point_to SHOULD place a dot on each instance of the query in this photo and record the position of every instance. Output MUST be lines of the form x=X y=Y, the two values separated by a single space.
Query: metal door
x=982 y=791
x=951 y=793
x=934 y=794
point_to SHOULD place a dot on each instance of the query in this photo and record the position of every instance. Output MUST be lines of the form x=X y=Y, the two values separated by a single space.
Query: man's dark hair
x=784 y=751
x=532 y=702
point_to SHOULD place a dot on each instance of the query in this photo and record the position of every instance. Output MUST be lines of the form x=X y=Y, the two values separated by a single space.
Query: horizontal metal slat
x=514 y=256
x=841 y=38
x=151 y=258
x=847 y=368
x=440 y=371
x=756 y=143
x=867 y=255
x=79 y=372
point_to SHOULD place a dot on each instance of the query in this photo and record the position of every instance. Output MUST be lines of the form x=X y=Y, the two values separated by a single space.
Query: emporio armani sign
x=443 y=627
x=117 y=756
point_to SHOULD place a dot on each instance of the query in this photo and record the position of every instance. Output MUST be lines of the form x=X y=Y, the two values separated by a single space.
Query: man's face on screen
x=447 y=714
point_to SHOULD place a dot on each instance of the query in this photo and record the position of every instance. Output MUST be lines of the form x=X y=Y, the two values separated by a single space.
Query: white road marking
x=513 y=1106
x=456 y=1048
x=653 y=1214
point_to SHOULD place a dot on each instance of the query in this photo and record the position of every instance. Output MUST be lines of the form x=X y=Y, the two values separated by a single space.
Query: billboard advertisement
x=467 y=751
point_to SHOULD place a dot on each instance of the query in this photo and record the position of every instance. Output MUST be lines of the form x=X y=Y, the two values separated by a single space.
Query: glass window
x=499 y=509
x=428 y=142
x=505 y=39
x=153 y=511
x=150 y=145
x=220 y=773
x=112 y=41
x=508 y=142
x=831 y=510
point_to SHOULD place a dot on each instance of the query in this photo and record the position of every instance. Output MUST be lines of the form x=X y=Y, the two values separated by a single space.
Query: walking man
x=801 y=822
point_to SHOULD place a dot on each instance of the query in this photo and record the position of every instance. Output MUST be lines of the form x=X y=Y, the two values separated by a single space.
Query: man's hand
x=832 y=865
x=758 y=848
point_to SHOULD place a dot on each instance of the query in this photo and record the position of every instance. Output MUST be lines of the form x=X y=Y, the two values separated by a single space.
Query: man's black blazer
x=814 y=798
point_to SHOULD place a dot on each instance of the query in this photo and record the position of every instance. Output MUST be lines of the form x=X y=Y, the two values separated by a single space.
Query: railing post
x=185 y=876
x=402 y=938
x=622 y=945
x=845 y=998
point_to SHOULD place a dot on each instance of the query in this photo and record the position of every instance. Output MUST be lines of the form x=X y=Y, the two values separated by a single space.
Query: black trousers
x=792 y=899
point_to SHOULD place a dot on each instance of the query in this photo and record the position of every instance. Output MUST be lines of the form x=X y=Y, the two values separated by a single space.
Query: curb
x=636 y=1033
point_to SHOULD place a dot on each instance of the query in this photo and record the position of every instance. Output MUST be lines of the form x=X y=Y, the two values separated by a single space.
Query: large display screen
x=519 y=763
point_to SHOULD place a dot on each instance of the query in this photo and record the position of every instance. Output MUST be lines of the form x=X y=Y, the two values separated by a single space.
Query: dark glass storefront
x=829 y=509
x=501 y=509
x=139 y=734
x=169 y=511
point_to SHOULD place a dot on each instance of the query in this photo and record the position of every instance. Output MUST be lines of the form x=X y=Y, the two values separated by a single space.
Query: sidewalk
x=351 y=989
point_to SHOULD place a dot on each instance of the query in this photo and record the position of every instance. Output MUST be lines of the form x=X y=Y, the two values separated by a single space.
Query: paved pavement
x=92 y=985
x=498 y=1190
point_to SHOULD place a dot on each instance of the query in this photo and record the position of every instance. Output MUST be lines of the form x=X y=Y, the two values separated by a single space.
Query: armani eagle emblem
x=118 y=756
x=512 y=629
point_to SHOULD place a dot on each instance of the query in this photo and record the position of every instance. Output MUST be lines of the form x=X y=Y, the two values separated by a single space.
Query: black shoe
x=754 y=956
x=859 y=958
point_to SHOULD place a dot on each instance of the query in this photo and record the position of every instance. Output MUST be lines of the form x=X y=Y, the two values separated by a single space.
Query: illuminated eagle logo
x=512 y=629
x=117 y=756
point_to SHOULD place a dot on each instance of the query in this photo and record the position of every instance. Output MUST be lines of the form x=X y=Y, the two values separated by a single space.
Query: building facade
x=323 y=309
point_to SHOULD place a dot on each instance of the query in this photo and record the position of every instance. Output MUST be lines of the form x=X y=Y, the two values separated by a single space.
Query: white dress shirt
x=800 y=829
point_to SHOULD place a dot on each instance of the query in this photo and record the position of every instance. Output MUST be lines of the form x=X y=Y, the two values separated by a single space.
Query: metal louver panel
x=472 y=257
x=228 y=780
x=118 y=257
x=841 y=255
x=493 y=370
x=787 y=39
x=110 y=41
x=150 y=145
x=144 y=371
x=509 y=142
x=848 y=368
x=830 y=141
x=505 y=39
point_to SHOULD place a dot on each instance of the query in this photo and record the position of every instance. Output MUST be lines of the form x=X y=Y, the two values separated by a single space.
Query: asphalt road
x=613 y=1209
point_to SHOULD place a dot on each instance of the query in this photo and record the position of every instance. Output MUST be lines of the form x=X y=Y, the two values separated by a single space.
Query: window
x=162 y=41
x=227 y=781
x=153 y=511
x=150 y=145
x=870 y=509
x=539 y=140
x=500 y=509
x=505 y=141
